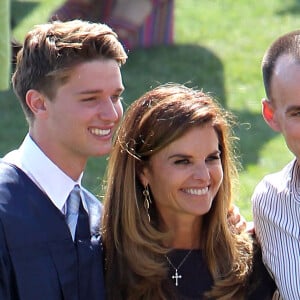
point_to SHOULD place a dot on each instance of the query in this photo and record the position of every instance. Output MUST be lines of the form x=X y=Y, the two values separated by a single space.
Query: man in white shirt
x=276 y=199
x=69 y=84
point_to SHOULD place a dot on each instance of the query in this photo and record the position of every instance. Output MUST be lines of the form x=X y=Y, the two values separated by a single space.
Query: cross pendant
x=176 y=277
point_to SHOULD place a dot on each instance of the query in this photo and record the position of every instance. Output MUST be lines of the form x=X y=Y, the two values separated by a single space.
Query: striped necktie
x=72 y=204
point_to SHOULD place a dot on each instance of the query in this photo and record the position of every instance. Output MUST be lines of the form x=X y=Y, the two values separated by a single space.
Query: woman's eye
x=213 y=157
x=295 y=114
x=182 y=162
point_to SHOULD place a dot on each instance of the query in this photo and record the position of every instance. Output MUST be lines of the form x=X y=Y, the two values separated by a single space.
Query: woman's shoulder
x=260 y=284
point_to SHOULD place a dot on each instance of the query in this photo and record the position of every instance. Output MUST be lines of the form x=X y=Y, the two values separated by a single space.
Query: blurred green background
x=218 y=47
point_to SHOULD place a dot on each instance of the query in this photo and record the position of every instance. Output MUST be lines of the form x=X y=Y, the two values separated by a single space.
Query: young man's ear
x=269 y=114
x=36 y=102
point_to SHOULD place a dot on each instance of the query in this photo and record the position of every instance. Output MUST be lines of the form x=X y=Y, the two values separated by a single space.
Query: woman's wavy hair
x=135 y=266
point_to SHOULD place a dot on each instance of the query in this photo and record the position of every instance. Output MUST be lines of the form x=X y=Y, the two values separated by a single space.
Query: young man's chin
x=104 y=151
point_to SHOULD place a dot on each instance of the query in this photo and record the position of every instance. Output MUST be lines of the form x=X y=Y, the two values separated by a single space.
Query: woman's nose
x=201 y=172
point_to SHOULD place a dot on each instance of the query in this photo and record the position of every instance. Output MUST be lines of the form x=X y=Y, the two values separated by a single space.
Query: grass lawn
x=219 y=47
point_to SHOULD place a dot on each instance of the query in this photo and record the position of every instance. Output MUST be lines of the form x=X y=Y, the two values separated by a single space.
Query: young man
x=276 y=200
x=69 y=84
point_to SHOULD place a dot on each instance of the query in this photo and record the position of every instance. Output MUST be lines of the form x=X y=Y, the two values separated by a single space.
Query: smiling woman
x=184 y=178
x=170 y=185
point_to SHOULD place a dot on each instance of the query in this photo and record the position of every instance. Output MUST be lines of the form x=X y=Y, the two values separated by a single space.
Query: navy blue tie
x=82 y=228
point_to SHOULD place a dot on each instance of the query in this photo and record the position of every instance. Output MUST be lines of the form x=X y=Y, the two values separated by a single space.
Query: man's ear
x=36 y=102
x=269 y=114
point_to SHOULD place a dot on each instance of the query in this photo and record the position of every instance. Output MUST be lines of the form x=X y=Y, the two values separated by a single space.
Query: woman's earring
x=147 y=200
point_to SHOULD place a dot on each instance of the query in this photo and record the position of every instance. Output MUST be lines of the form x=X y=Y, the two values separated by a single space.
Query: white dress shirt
x=276 y=213
x=43 y=172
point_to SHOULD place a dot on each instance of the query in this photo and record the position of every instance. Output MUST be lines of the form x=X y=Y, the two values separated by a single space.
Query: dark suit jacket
x=38 y=258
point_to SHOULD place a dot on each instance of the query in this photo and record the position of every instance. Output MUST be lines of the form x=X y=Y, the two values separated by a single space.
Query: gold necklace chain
x=177 y=276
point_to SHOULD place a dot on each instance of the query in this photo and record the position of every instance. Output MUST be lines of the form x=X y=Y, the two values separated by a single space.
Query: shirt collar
x=48 y=176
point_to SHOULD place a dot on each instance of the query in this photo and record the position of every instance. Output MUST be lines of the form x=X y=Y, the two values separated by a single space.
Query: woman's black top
x=194 y=278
